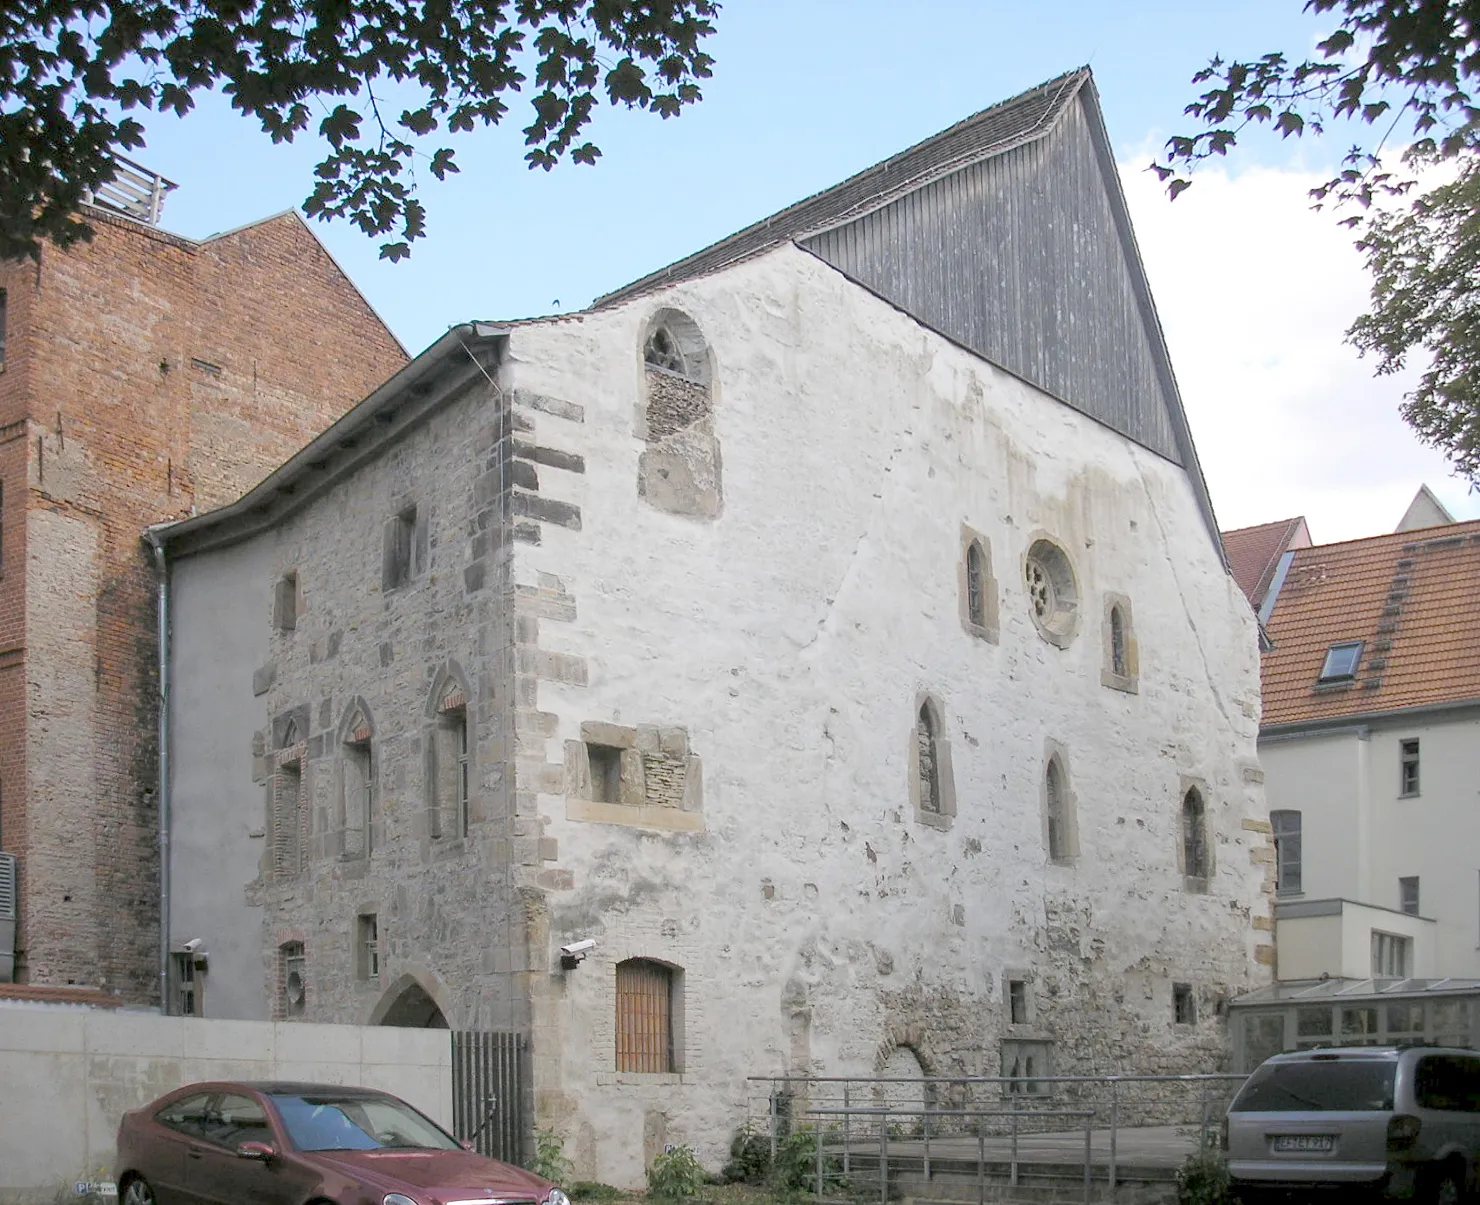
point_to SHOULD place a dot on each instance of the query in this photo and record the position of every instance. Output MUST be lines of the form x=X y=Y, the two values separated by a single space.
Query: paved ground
x=1161 y=1147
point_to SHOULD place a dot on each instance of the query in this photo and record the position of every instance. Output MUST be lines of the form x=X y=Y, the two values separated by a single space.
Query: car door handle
x=195 y=1152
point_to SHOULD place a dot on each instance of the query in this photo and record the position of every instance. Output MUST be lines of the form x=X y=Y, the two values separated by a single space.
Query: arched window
x=929 y=763
x=1053 y=592
x=976 y=599
x=357 y=776
x=1059 y=811
x=679 y=469
x=1194 y=836
x=646 y=1015
x=662 y=351
x=453 y=763
x=289 y=806
x=1119 y=661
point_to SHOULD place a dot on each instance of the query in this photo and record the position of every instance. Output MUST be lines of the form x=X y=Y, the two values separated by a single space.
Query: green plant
x=549 y=1157
x=592 y=1190
x=750 y=1157
x=675 y=1175
x=795 y=1169
x=1203 y=1178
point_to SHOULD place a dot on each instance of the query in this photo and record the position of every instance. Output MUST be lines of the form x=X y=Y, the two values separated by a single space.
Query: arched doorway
x=411 y=1008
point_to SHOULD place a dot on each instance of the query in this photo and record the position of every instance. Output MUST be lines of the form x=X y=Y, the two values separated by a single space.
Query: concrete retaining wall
x=66 y=1077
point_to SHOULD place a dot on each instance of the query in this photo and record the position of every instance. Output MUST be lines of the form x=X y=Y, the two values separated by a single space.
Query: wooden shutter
x=644 y=1016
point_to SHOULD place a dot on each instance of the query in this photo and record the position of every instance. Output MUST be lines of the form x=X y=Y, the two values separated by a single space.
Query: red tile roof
x=1254 y=554
x=1412 y=598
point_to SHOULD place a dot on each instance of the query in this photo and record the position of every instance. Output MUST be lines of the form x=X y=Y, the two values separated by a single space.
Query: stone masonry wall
x=156 y=375
x=815 y=923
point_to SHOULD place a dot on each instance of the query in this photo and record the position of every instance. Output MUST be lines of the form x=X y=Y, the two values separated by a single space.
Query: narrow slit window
x=1194 y=836
x=976 y=601
x=1119 y=662
x=368 y=946
x=1017 y=1001
x=1184 y=1007
x=929 y=756
x=1285 y=828
x=605 y=765
x=1408 y=895
x=1060 y=840
x=1408 y=768
x=285 y=603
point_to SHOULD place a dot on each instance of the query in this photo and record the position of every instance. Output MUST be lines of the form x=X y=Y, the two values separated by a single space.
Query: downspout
x=162 y=567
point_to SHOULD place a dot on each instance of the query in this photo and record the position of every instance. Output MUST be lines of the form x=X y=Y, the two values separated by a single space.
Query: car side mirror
x=260 y=1151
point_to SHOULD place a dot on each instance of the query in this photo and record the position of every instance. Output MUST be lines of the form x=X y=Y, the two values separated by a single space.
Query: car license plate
x=1304 y=1142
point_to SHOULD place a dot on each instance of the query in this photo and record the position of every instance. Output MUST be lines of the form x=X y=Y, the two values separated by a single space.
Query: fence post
x=817 y=1133
x=1013 y=1170
x=847 y=1119
x=981 y=1164
x=884 y=1157
x=1202 y=1137
x=773 y=1122
x=925 y=1125
x=1089 y=1121
x=1114 y=1129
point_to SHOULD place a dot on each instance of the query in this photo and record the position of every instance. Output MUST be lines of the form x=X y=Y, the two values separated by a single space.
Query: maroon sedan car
x=305 y=1144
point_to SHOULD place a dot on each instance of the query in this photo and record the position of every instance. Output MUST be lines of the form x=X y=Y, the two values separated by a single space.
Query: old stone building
x=143 y=376
x=832 y=628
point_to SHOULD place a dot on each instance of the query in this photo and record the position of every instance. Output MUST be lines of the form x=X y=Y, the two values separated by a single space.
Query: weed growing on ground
x=675 y=1175
x=1203 y=1179
x=549 y=1157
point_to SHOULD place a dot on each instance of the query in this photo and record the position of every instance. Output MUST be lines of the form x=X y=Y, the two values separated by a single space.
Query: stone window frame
x=990 y=626
x=1025 y=979
x=449 y=707
x=1125 y=678
x=1197 y=884
x=357 y=733
x=1056 y=765
x=1026 y=1063
x=292 y=955
x=1045 y=555
x=633 y=808
x=404 y=546
x=926 y=704
x=369 y=958
x=287 y=602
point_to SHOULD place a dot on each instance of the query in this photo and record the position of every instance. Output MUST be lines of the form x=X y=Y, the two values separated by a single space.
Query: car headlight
x=556 y=1197
x=397 y=1198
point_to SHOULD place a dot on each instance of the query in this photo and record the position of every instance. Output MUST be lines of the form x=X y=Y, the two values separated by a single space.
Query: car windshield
x=332 y=1122
x=1319 y=1086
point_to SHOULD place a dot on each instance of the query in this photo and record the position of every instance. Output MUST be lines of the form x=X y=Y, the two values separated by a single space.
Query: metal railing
x=911 y=1118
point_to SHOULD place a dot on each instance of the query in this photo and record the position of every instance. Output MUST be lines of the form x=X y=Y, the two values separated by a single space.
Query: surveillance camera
x=577 y=949
x=191 y=946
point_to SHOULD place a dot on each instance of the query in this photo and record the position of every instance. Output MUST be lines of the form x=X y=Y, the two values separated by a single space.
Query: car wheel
x=1449 y=1189
x=138 y=1192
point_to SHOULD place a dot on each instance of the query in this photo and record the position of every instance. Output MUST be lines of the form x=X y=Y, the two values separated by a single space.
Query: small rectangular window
x=292 y=979
x=605 y=764
x=400 y=541
x=1391 y=955
x=1408 y=895
x=285 y=603
x=1285 y=827
x=1341 y=662
x=367 y=946
x=1184 y=1006
x=1408 y=768
x=645 y=1016
x=1017 y=1001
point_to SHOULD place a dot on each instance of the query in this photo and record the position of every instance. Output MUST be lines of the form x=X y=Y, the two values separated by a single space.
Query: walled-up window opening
x=1284 y=826
x=926 y=737
x=605 y=765
x=976 y=598
x=292 y=979
x=1060 y=836
x=400 y=545
x=1194 y=836
x=289 y=806
x=679 y=469
x=285 y=603
x=1408 y=768
x=645 y=1016
x=359 y=794
x=453 y=765
x=1119 y=661
x=1022 y=1063
x=1408 y=894
x=367 y=946
x=1184 y=1004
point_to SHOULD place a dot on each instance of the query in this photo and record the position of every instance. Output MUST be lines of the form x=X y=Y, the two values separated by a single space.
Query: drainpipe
x=163 y=798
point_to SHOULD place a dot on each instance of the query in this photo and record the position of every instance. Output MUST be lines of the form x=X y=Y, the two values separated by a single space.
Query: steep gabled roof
x=1254 y=554
x=1412 y=599
x=1021 y=119
x=1009 y=235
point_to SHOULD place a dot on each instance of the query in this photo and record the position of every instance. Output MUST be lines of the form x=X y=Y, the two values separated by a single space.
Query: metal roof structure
x=1317 y=990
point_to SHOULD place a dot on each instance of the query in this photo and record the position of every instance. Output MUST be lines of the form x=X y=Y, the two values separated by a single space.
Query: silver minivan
x=1395 y=1123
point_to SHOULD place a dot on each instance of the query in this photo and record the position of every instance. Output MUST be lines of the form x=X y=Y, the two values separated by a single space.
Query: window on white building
x=1408 y=768
x=1392 y=955
x=1408 y=895
x=1285 y=828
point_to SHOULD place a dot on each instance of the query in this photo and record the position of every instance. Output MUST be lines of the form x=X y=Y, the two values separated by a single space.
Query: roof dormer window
x=1341 y=662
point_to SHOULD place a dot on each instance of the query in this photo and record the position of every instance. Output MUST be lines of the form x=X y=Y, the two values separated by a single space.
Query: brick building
x=817 y=657
x=143 y=377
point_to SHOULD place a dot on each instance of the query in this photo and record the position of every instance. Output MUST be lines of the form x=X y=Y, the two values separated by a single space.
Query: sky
x=1254 y=290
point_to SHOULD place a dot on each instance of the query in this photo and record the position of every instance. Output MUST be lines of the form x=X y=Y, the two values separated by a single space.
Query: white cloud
x=1255 y=291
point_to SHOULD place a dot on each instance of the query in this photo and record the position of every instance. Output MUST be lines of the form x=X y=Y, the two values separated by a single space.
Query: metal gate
x=491 y=1093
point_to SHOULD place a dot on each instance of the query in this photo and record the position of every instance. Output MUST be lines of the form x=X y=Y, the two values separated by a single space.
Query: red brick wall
x=167 y=375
